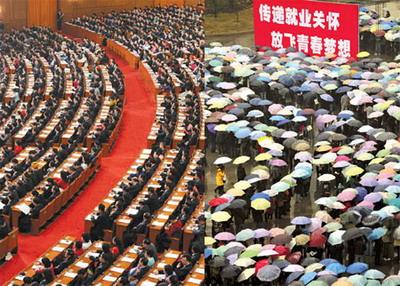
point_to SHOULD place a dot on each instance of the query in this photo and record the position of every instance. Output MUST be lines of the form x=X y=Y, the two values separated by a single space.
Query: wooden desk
x=109 y=199
x=197 y=276
x=190 y=224
x=149 y=78
x=69 y=274
x=132 y=58
x=52 y=254
x=163 y=215
x=79 y=32
x=119 y=266
x=123 y=221
x=9 y=243
x=152 y=277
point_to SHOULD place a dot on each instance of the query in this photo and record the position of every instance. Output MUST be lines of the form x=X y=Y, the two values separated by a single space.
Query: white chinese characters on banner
x=303 y=18
x=314 y=44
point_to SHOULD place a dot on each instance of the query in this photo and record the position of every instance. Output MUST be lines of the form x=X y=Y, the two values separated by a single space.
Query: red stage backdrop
x=312 y=27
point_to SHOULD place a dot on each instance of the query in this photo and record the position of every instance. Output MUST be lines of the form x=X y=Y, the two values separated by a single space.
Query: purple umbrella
x=211 y=128
x=261 y=232
x=368 y=181
x=226 y=236
x=301 y=220
x=278 y=163
x=373 y=197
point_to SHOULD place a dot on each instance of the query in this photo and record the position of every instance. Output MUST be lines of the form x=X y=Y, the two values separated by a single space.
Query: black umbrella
x=352 y=233
x=230 y=271
x=237 y=204
x=308 y=261
x=219 y=261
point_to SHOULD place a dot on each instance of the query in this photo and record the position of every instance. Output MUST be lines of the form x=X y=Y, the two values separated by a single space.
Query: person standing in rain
x=220 y=178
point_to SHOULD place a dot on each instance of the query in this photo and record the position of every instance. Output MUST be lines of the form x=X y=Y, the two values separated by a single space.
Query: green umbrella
x=393 y=280
x=358 y=280
x=249 y=253
x=220 y=250
x=245 y=234
x=373 y=283
x=215 y=63
x=317 y=283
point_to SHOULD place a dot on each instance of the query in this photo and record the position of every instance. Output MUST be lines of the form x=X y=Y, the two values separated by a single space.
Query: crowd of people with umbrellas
x=286 y=121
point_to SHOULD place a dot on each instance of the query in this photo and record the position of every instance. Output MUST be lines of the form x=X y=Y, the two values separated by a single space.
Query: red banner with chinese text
x=312 y=27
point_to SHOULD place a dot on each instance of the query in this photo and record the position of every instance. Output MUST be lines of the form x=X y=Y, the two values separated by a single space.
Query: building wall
x=13 y=13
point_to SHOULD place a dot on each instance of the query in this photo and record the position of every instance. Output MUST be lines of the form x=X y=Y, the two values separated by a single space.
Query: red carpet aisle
x=138 y=117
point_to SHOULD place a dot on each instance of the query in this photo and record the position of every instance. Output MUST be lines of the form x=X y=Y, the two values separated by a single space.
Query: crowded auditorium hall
x=102 y=137
x=303 y=145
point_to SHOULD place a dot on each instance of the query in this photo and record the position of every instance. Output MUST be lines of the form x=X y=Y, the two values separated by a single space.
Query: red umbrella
x=317 y=240
x=335 y=149
x=282 y=250
x=217 y=201
x=260 y=264
x=294 y=257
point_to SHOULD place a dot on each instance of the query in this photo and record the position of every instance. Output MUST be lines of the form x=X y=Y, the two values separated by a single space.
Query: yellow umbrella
x=241 y=160
x=352 y=171
x=263 y=157
x=342 y=282
x=209 y=240
x=302 y=239
x=221 y=127
x=244 y=262
x=314 y=267
x=363 y=54
x=260 y=204
x=376 y=161
x=323 y=148
x=242 y=185
x=220 y=216
x=246 y=274
x=235 y=192
x=365 y=156
x=382 y=106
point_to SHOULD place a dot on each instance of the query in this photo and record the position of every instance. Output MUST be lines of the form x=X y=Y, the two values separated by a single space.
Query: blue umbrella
x=236 y=111
x=308 y=277
x=211 y=128
x=357 y=267
x=277 y=118
x=301 y=220
x=345 y=115
x=293 y=276
x=242 y=123
x=256 y=134
x=301 y=173
x=338 y=268
x=264 y=102
x=208 y=252
x=283 y=122
x=393 y=189
x=328 y=261
x=260 y=196
x=377 y=233
x=326 y=97
x=243 y=133
x=255 y=113
x=232 y=127
x=254 y=101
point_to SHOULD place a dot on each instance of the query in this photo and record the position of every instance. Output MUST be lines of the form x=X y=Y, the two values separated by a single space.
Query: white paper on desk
x=161 y=265
x=132 y=211
x=155 y=186
x=117 y=269
x=157 y=276
x=24 y=208
x=172 y=255
x=176 y=198
x=127 y=259
x=163 y=216
x=167 y=209
x=65 y=241
x=20 y=277
x=195 y=281
x=148 y=283
x=200 y=270
x=70 y=274
x=109 y=201
x=123 y=220
x=110 y=278
x=188 y=178
x=94 y=254
x=82 y=264
x=158 y=223
x=58 y=248
x=174 y=203
x=133 y=250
